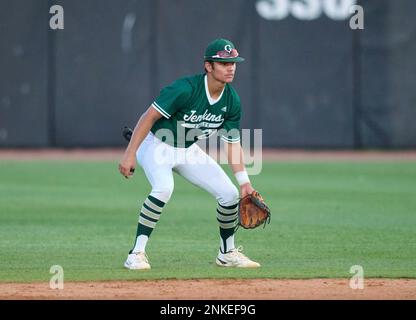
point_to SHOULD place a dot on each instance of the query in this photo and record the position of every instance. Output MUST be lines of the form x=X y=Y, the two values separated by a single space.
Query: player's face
x=223 y=71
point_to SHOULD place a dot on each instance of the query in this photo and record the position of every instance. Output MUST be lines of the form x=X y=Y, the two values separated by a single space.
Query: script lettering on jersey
x=207 y=119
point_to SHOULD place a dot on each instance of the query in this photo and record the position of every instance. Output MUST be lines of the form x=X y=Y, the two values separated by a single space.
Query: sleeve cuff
x=160 y=110
x=230 y=140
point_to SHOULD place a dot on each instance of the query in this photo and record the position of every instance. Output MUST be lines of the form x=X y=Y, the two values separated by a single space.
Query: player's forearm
x=237 y=167
x=235 y=157
x=141 y=130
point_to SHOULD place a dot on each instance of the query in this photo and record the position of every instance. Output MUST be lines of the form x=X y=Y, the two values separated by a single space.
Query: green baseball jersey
x=189 y=116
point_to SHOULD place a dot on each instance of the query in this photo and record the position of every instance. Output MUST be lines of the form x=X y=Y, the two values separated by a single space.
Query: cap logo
x=227 y=51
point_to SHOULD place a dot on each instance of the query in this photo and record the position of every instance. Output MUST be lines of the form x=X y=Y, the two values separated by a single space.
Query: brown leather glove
x=252 y=211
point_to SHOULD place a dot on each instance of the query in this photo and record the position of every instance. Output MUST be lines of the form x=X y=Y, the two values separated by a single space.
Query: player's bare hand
x=127 y=165
x=246 y=189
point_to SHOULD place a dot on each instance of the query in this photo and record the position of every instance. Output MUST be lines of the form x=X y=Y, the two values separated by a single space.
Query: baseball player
x=163 y=141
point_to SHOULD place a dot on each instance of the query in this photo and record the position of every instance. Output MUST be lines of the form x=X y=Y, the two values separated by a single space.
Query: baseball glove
x=252 y=211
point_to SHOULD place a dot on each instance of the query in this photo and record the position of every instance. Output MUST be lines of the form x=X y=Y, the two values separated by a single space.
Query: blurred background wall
x=308 y=81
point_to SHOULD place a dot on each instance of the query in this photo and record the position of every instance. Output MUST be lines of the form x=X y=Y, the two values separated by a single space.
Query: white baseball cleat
x=137 y=261
x=234 y=258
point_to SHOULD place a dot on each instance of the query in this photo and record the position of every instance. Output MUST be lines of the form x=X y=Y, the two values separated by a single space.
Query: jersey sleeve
x=172 y=98
x=231 y=126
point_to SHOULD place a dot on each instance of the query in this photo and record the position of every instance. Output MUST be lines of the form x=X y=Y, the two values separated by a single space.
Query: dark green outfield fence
x=308 y=80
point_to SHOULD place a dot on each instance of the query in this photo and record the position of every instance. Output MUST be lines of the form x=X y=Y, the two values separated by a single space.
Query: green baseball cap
x=222 y=50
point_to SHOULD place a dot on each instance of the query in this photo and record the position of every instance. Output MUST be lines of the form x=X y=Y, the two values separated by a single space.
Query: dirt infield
x=267 y=154
x=253 y=289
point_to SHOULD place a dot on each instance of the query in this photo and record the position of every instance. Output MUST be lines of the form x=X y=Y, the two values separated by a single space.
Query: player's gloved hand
x=253 y=211
x=127 y=165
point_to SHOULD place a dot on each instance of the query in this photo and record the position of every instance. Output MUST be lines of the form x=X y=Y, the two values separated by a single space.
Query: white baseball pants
x=159 y=160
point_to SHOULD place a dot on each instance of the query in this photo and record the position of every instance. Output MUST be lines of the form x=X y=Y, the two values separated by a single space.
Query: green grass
x=326 y=217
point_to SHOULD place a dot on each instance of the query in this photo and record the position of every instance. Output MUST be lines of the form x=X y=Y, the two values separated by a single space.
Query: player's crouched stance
x=204 y=102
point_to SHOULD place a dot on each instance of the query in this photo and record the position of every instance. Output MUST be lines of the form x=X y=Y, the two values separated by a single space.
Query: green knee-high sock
x=148 y=217
x=227 y=217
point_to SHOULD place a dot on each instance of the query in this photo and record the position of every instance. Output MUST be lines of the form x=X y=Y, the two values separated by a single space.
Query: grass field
x=326 y=217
